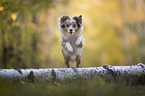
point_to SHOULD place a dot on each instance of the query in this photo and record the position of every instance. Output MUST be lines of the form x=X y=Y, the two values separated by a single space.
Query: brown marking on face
x=63 y=19
x=78 y=20
x=70 y=26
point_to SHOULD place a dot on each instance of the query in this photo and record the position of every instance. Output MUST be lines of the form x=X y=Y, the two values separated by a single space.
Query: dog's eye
x=74 y=25
x=67 y=25
x=62 y=26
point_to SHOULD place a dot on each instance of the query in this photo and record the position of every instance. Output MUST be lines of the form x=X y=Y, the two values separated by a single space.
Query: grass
x=75 y=88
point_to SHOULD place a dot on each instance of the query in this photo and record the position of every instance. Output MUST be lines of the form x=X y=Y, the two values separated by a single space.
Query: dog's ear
x=78 y=20
x=64 y=18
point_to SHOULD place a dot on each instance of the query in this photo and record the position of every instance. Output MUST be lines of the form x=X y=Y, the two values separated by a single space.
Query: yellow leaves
x=1 y=8
x=14 y=16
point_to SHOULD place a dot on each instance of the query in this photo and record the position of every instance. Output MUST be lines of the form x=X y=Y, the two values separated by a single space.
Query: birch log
x=134 y=73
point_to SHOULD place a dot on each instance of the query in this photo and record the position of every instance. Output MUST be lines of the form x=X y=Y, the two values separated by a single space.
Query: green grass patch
x=75 y=88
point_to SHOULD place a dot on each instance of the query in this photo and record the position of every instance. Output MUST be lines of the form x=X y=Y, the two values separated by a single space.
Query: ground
x=74 y=88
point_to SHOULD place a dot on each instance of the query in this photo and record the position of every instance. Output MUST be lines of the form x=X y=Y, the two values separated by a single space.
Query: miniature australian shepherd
x=72 y=40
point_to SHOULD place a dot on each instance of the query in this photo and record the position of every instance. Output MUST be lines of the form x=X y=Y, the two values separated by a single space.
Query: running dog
x=72 y=40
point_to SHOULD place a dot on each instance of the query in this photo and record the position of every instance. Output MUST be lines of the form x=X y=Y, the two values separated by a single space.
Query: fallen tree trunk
x=134 y=73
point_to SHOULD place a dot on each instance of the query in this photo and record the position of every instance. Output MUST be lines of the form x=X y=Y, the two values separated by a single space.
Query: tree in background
x=114 y=32
x=20 y=32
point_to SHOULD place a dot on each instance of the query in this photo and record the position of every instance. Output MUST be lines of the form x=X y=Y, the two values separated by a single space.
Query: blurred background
x=114 y=32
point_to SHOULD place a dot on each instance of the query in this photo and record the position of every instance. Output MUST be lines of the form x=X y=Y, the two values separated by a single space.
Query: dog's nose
x=70 y=30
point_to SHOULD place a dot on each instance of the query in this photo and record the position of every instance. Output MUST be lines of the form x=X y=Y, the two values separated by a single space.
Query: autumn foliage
x=114 y=32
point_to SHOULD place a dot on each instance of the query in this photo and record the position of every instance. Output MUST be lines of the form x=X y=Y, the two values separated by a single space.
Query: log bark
x=129 y=74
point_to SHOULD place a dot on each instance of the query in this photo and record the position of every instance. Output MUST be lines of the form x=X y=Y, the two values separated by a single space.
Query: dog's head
x=71 y=26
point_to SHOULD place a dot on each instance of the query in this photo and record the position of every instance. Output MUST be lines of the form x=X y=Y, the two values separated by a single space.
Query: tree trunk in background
x=4 y=57
x=126 y=29
x=139 y=28
x=131 y=74
x=143 y=9
x=4 y=48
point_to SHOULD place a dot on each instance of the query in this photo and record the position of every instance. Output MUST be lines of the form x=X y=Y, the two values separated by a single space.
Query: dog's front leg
x=69 y=47
x=62 y=42
x=80 y=41
x=66 y=45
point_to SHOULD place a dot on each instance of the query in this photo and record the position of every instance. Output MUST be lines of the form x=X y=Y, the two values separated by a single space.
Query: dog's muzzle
x=71 y=32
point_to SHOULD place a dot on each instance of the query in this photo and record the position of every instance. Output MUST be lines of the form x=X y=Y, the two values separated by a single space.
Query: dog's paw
x=78 y=41
x=83 y=39
x=69 y=47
